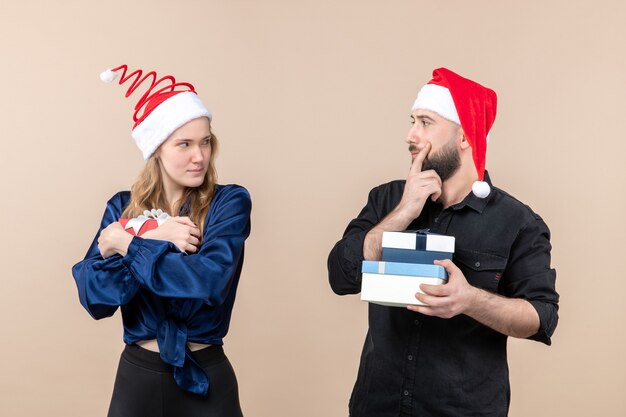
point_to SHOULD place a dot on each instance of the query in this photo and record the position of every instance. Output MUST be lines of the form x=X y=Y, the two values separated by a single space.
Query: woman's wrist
x=122 y=242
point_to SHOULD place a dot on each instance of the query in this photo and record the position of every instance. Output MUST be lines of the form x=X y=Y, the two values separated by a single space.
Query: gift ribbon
x=137 y=222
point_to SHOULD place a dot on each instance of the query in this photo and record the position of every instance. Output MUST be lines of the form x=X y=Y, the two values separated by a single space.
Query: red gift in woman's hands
x=149 y=220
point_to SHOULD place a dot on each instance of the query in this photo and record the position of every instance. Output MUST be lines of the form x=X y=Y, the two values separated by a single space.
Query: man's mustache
x=413 y=148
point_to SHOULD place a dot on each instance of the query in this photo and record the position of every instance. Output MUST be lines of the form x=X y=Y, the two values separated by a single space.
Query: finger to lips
x=416 y=166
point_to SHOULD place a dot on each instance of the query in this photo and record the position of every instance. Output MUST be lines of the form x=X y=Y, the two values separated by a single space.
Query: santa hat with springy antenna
x=164 y=107
x=468 y=104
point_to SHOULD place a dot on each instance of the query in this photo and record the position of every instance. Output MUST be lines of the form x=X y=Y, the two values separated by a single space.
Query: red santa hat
x=164 y=107
x=468 y=104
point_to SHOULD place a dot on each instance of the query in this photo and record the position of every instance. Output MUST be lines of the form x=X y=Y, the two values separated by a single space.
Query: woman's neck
x=172 y=195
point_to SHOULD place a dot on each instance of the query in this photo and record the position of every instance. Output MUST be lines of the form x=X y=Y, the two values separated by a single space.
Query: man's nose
x=413 y=135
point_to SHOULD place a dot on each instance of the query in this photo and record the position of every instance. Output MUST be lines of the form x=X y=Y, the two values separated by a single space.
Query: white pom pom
x=481 y=189
x=108 y=76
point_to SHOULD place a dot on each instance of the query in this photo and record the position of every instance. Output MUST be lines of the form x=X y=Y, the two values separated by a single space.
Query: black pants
x=144 y=386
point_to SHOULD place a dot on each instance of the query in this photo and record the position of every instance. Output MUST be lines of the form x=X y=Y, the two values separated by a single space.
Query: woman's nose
x=197 y=155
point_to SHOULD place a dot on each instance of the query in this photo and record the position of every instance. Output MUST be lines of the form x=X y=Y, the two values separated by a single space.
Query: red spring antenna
x=165 y=85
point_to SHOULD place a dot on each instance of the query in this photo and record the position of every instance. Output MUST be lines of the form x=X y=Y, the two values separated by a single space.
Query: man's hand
x=420 y=185
x=180 y=231
x=113 y=239
x=510 y=316
x=455 y=297
x=418 y=188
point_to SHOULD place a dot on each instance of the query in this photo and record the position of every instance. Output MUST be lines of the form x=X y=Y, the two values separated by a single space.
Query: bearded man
x=448 y=357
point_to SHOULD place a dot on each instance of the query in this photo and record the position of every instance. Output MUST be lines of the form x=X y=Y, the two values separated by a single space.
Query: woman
x=175 y=283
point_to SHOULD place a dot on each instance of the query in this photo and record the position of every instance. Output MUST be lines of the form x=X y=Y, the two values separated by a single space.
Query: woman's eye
x=183 y=144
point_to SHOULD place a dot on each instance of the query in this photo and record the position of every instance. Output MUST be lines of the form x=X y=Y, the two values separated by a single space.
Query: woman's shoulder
x=228 y=191
x=119 y=200
x=231 y=198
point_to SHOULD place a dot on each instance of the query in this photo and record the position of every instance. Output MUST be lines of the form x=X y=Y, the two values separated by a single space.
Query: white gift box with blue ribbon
x=394 y=284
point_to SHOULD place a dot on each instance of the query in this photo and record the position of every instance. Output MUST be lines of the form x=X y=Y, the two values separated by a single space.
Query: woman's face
x=185 y=155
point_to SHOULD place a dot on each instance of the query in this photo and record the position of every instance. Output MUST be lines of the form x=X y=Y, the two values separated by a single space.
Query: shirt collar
x=474 y=202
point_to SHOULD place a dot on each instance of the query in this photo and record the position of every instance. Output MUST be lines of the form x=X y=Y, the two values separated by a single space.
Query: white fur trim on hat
x=481 y=189
x=438 y=99
x=165 y=119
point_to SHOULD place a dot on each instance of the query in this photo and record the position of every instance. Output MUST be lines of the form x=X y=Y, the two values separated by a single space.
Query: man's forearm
x=510 y=316
x=396 y=220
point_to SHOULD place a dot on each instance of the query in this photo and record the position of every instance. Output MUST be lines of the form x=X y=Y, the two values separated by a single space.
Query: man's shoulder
x=513 y=207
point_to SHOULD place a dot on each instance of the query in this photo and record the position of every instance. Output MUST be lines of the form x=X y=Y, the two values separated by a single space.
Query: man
x=448 y=358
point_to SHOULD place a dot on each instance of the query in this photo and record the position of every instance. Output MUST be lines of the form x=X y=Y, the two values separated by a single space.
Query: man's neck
x=456 y=188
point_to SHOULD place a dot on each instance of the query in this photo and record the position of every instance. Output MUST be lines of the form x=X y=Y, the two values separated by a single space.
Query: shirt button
x=477 y=264
x=416 y=322
x=437 y=219
x=406 y=393
x=410 y=357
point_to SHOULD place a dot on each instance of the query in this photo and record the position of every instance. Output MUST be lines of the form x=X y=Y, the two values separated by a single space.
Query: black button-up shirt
x=416 y=365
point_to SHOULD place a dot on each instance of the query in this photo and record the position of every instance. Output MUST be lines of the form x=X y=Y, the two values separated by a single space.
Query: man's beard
x=445 y=162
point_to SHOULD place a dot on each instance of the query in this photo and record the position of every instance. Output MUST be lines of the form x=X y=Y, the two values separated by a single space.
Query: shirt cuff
x=353 y=255
x=548 y=318
x=134 y=251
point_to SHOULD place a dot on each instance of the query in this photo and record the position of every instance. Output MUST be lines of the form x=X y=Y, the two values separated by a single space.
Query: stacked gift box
x=407 y=262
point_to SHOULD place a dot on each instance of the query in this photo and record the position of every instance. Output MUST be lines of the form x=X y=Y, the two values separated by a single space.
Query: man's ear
x=462 y=139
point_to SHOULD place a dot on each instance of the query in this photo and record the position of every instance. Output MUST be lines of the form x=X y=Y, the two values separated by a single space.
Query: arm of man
x=418 y=188
x=383 y=211
x=510 y=316
x=528 y=306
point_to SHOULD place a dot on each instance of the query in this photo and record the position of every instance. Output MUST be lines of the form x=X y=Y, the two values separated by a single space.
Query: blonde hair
x=147 y=192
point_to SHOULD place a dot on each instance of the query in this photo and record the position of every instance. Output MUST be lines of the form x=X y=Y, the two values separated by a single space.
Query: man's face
x=429 y=127
x=445 y=162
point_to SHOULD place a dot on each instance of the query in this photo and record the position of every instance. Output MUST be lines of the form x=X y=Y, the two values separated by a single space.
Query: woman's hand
x=114 y=239
x=180 y=231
